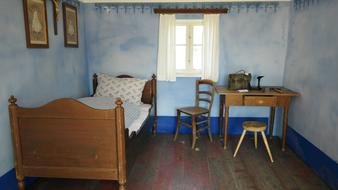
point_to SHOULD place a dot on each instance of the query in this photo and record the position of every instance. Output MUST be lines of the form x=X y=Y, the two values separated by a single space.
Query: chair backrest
x=205 y=90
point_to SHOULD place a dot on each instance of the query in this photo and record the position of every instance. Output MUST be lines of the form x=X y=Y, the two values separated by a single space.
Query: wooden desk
x=268 y=96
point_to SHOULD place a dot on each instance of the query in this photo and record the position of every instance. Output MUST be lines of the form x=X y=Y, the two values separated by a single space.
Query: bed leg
x=122 y=186
x=21 y=184
x=155 y=128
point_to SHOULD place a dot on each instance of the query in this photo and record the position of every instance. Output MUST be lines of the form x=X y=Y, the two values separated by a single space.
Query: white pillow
x=128 y=89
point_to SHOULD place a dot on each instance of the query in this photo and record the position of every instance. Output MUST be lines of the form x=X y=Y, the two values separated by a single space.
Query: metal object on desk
x=259 y=82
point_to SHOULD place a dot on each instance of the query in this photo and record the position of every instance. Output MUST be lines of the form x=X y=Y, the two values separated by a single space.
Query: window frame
x=189 y=71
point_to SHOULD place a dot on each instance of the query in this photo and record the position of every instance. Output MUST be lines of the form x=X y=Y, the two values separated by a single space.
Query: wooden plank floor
x=175 y=166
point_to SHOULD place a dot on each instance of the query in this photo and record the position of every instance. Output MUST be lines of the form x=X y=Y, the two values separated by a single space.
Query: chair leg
x=193 y=125
x=209 y=130
x=267 y=146
x=178 y=124
x=239 y=142
x=256 y=140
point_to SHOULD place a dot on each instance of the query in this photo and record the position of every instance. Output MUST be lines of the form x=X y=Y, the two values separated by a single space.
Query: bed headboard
x=149 y=91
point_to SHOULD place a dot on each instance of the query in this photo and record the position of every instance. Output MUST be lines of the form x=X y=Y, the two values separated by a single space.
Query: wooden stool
x=254 y=126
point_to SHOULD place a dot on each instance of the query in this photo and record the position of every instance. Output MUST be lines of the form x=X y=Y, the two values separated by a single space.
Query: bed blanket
x=131 y=111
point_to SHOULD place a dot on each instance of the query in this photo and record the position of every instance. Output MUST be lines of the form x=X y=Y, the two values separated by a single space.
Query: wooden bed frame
x=68 y=139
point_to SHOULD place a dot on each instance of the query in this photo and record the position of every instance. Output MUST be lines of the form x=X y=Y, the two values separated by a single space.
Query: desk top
x=265 y=91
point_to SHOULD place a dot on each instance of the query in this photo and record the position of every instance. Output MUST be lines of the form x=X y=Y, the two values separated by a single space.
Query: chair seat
x=254 y=126
x=194 y=110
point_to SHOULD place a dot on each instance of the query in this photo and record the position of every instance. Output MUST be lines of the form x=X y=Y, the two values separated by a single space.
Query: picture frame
x=36 y=24
x=70 y=25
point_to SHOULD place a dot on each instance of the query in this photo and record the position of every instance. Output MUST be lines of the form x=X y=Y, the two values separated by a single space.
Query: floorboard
x=165 y=164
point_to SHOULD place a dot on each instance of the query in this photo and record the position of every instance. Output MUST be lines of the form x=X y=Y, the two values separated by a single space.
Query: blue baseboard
x=320 y=163
x=167 y=125
x=8 y=181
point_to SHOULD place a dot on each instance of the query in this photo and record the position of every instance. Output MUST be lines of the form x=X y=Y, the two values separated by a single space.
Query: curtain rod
x=191 y=11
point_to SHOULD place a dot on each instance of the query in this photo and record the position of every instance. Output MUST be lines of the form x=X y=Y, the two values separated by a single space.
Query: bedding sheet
x=133 y=113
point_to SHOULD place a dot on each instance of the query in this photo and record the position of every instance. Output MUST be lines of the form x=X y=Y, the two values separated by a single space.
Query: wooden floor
x=168 y=165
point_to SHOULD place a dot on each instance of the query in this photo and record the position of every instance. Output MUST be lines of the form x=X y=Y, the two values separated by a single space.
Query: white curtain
x=166 y=64
x=211 y=47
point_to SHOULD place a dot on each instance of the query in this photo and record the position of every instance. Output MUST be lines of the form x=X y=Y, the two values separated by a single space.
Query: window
x=192 y=57
x=189 y=44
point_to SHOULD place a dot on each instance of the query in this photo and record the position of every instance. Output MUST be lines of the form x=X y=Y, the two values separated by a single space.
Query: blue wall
x=311 y=69
x=250 y=40
x=304 y=42
x=296 y=49
x=35 y=76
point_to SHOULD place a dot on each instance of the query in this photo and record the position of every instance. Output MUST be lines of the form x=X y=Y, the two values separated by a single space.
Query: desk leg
x=220 y=118
x=226 y=119
x=285 y=121
x=272 y=121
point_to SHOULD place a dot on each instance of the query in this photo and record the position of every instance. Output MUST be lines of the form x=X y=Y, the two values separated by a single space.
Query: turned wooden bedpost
x=154 y=130
x=12 y=107
x=119 y=116
x=95 y=83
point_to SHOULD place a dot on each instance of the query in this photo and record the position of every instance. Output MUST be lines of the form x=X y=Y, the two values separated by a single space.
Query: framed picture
x=36 y=25
x=70 y=25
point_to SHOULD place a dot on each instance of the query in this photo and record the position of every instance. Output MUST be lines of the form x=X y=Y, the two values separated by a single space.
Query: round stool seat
x=254 y=126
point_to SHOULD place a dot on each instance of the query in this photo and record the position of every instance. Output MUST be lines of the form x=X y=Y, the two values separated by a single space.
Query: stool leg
x=178 y=124
x=267 y=146
x=256 y=140
x=239 y=142
x=193 y=131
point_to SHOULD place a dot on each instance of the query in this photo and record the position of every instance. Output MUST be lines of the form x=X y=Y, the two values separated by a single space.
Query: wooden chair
x=254 y=126
x=200 y=113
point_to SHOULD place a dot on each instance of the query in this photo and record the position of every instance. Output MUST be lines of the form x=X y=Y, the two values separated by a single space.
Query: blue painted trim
x=167 y=125
x=322 y=165
x=9 y=182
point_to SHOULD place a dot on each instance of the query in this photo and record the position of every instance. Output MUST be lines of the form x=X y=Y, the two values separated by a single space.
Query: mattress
x=134 y=115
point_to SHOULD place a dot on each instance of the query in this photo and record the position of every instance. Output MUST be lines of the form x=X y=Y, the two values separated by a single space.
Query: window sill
x=188 y=75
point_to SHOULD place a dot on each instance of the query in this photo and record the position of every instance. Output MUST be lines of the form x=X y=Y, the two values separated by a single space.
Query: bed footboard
x=67 y=139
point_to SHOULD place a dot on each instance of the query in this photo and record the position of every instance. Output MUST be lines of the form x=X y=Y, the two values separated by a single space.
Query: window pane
x=181 y=32
x=197 y=57
x=198 y=34
x=180 y=57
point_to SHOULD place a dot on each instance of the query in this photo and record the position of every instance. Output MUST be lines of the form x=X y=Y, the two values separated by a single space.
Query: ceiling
x=175 y=1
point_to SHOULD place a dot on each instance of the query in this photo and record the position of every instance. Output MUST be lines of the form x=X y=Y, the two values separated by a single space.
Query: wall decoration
x=56 y=14
x=70 y=26
x=36 y=25
x=115 y=9
x=305 y=4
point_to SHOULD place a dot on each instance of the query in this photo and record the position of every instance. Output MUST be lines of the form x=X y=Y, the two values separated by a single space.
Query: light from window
x=181 y=46
x=197 y=45
x=189 y=44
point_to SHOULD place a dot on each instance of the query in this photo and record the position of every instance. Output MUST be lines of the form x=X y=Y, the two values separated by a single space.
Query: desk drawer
x=260 y=101
x=234 y=100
